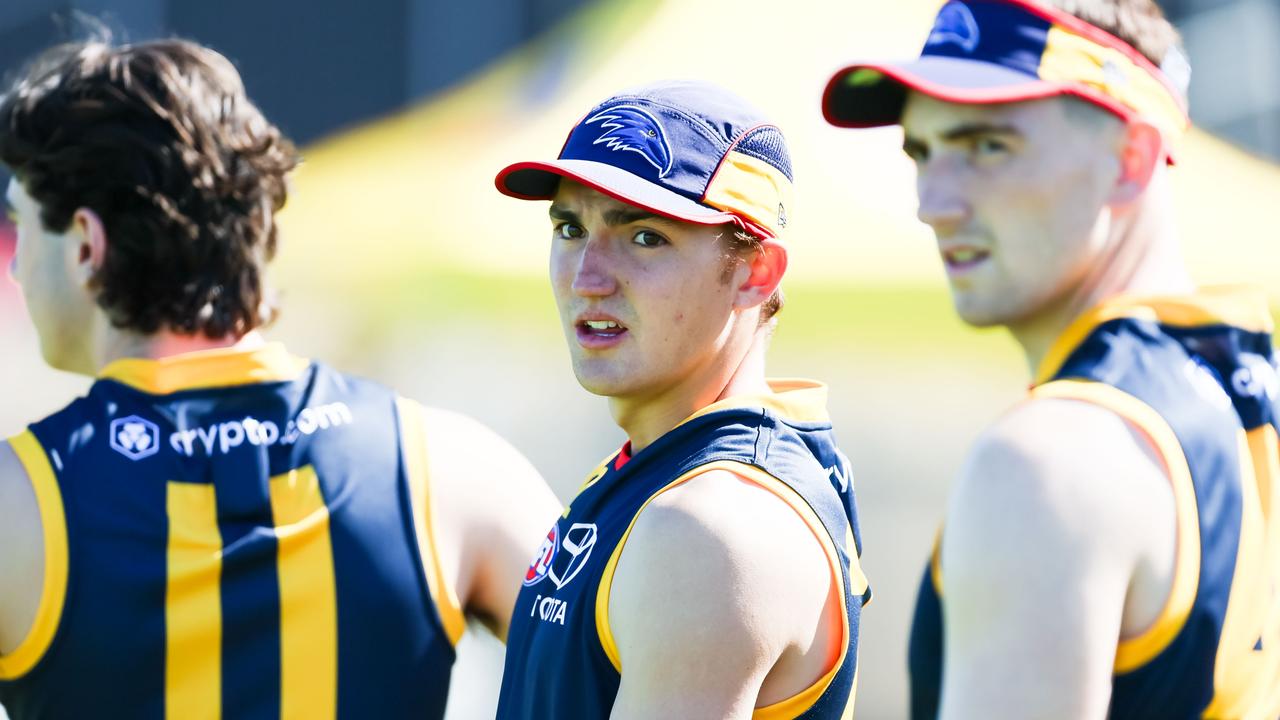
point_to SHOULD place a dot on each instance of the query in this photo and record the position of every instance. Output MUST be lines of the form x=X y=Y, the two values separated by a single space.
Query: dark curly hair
x=160 y=141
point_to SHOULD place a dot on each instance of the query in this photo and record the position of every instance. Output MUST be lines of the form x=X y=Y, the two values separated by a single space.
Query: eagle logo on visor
x=955 y=24
x=628 y=128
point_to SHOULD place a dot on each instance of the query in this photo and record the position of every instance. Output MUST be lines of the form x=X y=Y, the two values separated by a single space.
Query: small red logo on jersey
x=541 y=564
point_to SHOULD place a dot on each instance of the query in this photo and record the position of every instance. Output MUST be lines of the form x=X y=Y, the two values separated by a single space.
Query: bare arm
x=21 y=551
x=1060 y=507
x=710 y=613
x=491 y=509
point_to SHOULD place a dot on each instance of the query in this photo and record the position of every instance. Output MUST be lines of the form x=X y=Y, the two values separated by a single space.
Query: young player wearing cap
x=218 y=528
x=709 y=568
x=1112 y=544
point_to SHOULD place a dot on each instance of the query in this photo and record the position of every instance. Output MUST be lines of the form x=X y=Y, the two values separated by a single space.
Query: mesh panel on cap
x=767 y=145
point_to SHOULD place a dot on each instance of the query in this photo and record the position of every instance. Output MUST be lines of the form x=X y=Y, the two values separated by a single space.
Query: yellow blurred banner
x=415 y=190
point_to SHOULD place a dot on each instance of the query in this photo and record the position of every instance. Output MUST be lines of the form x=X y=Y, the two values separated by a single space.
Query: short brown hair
x=1140 y=23
x=161 y=142
x=738 y=245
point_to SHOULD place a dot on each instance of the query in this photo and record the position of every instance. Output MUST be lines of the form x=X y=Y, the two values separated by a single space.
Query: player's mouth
x=962 y=258
x=599 y=332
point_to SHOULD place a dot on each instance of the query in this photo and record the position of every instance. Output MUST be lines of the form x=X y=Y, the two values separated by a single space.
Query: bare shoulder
x=1060 y=490
x=1056 y=509
x=490 y=507
x=21 y=550
x=721 y=563
x=1060 y=454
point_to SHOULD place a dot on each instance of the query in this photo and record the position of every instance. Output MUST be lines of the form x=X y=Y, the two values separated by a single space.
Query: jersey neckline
x=204 y=369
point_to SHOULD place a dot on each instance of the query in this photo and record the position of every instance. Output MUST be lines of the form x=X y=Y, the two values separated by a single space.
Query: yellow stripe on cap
x=1072 y=58
x=752 y=188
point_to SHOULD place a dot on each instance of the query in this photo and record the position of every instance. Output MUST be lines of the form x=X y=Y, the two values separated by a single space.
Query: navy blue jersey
x=561 y=659
x=1197 y=376
x=233 y=533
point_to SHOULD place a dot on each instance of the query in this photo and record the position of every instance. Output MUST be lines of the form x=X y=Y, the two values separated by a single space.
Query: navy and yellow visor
x=690 y=151
x=1001 y=51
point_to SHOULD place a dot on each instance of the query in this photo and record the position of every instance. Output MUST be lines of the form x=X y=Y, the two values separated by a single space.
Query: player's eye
x=648 y=238
x=916 y=151
x=986 y=146
x=569 y=231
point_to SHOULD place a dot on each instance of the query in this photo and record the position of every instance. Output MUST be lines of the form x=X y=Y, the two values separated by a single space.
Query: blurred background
x=401 y=262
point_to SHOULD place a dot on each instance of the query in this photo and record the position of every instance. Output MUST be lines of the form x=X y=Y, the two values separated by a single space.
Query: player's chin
x=981 y=311
x=600 y=376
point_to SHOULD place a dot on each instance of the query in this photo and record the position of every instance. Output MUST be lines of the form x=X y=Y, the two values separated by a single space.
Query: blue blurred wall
x=314 y=66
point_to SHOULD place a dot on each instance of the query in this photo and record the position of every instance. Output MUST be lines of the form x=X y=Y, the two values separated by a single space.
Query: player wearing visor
x=709 y=568
x=1111 y=545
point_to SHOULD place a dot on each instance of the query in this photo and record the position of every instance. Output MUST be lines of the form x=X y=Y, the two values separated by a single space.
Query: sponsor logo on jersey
x=221 y=438
x=577 y=544
x=549 y=609
x=1256 y=377
x=955 y=25
x=562 y=558
x=628 y=128
x=541 y=564
x=134 y=437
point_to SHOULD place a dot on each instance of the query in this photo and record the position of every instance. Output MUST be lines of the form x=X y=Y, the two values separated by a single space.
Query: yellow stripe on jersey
x=308 y=597
x=935 y=563
x=802 y=701
x=1251 y=609
x=53 y=590
x=1133 y=653
x=223 y=367
x=791 y=398
x=1241 y=306
x=193 y=603
x=413 y=435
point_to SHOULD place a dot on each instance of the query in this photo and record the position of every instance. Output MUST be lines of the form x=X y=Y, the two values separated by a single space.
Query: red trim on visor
x=1031 y=90
x=715 y=217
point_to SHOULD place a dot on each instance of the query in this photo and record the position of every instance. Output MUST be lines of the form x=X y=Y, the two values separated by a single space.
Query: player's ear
x=766 y=267
x=88 y=237
x=1141 y=151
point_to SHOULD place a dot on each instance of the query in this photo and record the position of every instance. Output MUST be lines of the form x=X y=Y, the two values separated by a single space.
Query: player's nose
x=594 y=276
x=943 y=205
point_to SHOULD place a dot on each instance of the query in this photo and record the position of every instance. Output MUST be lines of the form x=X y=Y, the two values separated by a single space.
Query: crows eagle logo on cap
x=955 y=24
x=631 y=129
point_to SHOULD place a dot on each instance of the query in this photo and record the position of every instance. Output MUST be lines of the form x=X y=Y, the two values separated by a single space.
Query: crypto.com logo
x=135 y=437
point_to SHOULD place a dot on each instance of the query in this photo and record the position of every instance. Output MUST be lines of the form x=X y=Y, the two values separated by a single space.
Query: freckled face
x=642 y=299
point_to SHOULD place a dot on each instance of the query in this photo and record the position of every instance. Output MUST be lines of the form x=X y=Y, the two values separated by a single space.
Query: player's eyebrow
x=559 y=213
x=615 y=216
x=968 y=131
x=628 y=215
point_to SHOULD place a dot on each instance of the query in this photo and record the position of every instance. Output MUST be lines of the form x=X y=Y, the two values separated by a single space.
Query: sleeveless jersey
x=1197 y=376
x=561 y=659
x=233 y=533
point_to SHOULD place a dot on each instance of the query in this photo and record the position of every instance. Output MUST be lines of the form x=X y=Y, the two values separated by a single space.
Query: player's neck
x=1141 y=257
x=645 y=419
x=117 y=344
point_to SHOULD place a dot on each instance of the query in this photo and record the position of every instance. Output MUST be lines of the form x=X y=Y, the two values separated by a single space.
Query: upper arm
x=1057 y=505
x=703 y=604
x=490 y=508
x=21 y=551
